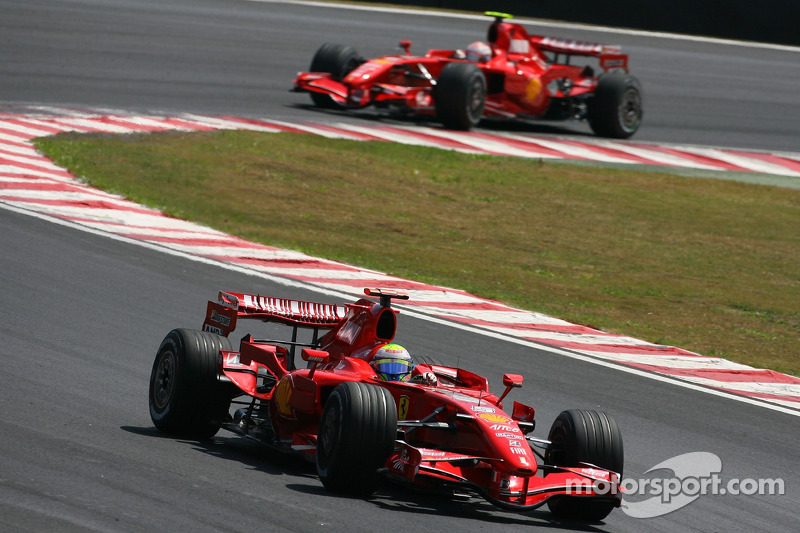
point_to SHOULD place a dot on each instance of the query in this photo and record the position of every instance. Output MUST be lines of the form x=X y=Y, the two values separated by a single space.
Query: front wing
x=412 y=99
x=484 y=476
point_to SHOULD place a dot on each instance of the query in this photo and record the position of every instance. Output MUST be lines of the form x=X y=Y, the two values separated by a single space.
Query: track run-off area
x=33 y=184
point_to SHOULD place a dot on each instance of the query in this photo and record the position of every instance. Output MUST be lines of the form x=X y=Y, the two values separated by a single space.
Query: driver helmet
x=392 y=362
x=479 y=51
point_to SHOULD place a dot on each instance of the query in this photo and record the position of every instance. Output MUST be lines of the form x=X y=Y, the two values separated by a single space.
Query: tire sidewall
x=336 y=60
x=162 y=406
x=356 y=435
x=460 y=95
x=330 y=434
x=195 y=402
x=592 y=437
x=616 y=109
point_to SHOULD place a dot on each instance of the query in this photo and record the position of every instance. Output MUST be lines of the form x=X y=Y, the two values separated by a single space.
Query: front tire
x=592 y=437
x=616 y=111
x=356 y=435
x=460 y=96
x=338 y=61
x=186 y=397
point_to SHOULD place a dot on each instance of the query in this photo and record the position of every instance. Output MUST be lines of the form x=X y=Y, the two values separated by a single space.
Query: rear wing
x=221 y=316
x=610 y=56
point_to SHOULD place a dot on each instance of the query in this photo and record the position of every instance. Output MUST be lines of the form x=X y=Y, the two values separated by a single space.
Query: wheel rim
x=630 y=109
x=164 y=380
x=556 y=453
x=329 y=434
x=476 y=100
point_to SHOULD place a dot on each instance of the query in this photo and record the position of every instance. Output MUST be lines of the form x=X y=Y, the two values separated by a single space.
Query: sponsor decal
x=519 y=451
x=493 y=417
x=232 y=359
x=592 y=472
x=614 y=63
x=311 y=358
x=402 y=407
x=220 y=319
x=458 y=396
x=503 y=427
x=283 y=393
x=482 y=409
x=572 y=46
x=429 y=454
x=507 y=435
x=533 y=90
x=515 y=443
x=213 y=329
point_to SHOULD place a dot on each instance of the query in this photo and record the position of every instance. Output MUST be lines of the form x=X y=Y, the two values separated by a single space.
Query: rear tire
x=584 y=437
x=186 y=397
x=460 y=96
x=616 y=111
x=338 y=61
x=356 y=435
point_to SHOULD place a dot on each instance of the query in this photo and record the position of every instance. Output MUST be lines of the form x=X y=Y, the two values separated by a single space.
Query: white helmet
x=479 y=51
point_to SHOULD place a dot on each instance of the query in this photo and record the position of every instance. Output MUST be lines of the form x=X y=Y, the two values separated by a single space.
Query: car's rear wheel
x=616 y=109
x=187 y=399
x=460 y=96
x=338 y=61
x=579 y=436
x=356 y=435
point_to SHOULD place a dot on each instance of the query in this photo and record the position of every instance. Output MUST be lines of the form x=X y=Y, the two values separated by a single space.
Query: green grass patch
x=707 y=265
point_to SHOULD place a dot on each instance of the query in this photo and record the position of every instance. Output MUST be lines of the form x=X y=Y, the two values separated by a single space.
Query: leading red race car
x=512 y=75
x=363 y=408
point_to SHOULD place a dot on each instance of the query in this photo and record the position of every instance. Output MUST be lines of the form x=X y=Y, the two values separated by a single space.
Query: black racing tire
x=338 y=61
x=460 y=96
x=357 y=433
x=616 y=109
x=590 y=437
x=187 y=399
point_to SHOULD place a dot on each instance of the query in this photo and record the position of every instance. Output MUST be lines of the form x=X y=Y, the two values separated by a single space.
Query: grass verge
x=706 y=265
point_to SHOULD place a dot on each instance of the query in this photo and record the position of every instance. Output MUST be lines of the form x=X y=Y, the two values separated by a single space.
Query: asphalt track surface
x=83 y=314
x=239 y=57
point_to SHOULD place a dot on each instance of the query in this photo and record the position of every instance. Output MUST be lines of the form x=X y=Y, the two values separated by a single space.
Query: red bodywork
x=526 y=76
x=452 y=432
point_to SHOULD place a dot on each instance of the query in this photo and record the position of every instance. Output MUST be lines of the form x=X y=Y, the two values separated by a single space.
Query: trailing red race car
x=364 y=407
x=512 y=75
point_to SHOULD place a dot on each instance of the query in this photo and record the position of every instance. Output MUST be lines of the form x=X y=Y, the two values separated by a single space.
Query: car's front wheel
x=186 y=397
x=460 y=96
x=616 y=109
x=357 y=432
x=592 y=437
x=336 y=60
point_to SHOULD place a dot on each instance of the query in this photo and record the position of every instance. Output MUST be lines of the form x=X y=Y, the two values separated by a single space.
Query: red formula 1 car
x=362 y=408
x=513 y=75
